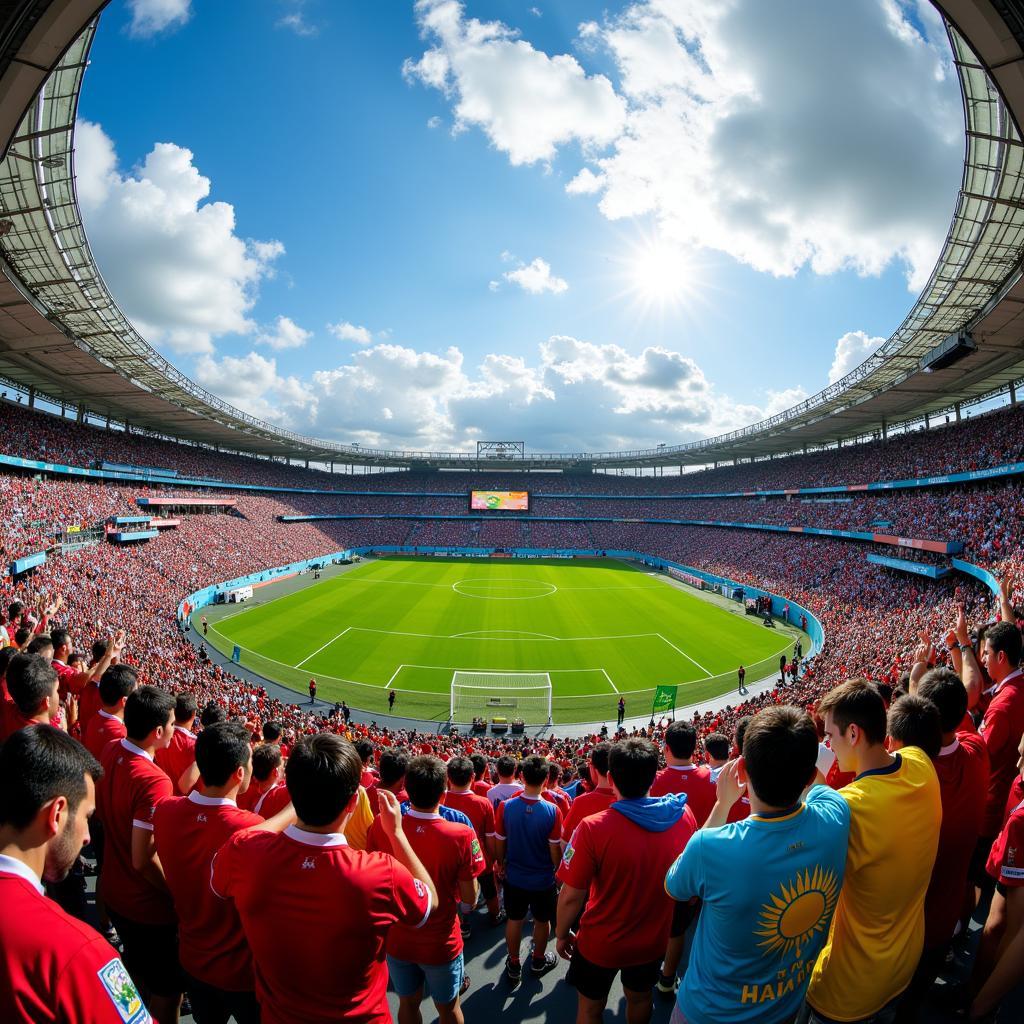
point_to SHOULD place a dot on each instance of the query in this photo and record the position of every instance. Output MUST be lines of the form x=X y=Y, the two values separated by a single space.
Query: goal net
x=511 y=695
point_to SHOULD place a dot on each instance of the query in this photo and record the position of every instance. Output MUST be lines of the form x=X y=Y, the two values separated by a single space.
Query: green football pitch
x=599 y=628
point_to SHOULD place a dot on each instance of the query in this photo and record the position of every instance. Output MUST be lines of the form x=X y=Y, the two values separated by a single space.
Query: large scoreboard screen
x=499 y=501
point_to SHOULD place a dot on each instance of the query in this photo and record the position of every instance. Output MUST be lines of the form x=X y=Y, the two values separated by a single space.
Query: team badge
x=567 y=856
x=475 y=848
x=421 y=889
x=123 y=993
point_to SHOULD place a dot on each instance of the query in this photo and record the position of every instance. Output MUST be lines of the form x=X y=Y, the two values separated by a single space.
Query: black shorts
x=488 y=889
x=542 y=903
x=218 y=1006
x=594 y=982
x=683 y=915
x=150 y=954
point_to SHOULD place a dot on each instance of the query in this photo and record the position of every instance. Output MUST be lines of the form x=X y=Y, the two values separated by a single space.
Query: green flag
x=664 y=699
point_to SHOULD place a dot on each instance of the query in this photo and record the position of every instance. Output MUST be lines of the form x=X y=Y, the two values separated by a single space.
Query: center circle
x=504 y=588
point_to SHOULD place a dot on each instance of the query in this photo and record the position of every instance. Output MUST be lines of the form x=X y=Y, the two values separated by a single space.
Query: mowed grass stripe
x=354 y=631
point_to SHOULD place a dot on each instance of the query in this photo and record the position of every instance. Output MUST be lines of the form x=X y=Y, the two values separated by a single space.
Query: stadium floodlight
x=516 y=695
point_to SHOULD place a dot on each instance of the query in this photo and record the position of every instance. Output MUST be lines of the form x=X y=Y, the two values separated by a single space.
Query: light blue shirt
x=769 y=886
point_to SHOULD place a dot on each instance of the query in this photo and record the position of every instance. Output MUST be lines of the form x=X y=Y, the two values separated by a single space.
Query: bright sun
x=662 y=275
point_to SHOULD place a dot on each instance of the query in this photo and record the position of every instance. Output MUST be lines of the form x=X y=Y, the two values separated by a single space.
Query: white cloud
x=536 y=278
x=344 y=331
x=284 y=334
x=170 y=256
x=295 y=21
x=433 y=122
x=150 y=17
x=738 y=125
x=526 y=102
x=851 y=350
x=252 y=383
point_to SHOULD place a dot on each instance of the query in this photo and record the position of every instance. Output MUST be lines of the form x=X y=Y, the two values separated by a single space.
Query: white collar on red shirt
x=425 y=815
x=315 y=838
x=683 y=767
x=132 y=749
x=107 y=714
x=946 y=751
x=1015 y=674
x=526 y=796
x=211 y=801
x=13 y=866
x=182 y=729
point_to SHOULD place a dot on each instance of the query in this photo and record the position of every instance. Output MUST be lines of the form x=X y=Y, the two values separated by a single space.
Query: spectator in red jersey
x=481 y=774
x=394 y=763
x=453 y=856
x=52 y=966
x=596 y=800
x=132 y=883
x=963 y=771
x=1000 y=963
x=554 y=792
x=281 y=884
x=178 y=759
x=615 y=864
x=32 y=685
x=189 y=831
x=118 y=683
x=266 y=786
x=368 y=776
x=481 y=813
x=75 y=680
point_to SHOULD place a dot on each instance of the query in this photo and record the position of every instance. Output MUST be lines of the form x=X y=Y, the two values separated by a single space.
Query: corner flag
x=664 y=699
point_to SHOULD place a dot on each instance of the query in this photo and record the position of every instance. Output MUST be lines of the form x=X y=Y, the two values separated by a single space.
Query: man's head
x=632 y=764
x=943 y=688
x=61 y=644
x=149 y=717
x=117 y=684
x=506 y=768
x=394 y=763
x=266 y=762
x=425 y=782
x=1001 y=650
x=211 y=714
x=47 y=792
x=460 y=772
x=22 y=636
x=717 y=746
x=32 y=684
x=854 y=717
x=554 y=774
x=534 y=770
x=780 y=748
x=680 y=741
x=480 y=769
x=271 y=732
x=599 y=755
x=223 y=755
x=364 y=748
x=184 y=710
x=914 y=722
x=323 y=779
x=42 y=645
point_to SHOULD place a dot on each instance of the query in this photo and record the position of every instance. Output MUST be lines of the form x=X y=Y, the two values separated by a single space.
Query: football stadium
x=407 y=670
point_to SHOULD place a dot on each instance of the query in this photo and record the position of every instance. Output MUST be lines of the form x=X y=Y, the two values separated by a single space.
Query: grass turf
x=600 y=628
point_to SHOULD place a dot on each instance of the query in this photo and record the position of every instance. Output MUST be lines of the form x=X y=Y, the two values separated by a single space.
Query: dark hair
x=211 y=714
x=37 y=764
x=271 y=732
x=184 y=710
x=780 y=750
x=6 y=654
x=633 y=763
x=554 y=772
x=885 y=691
x=21 y=635
x=915 y=722
x=599 y=757
x=40 y=642
x=60 y=636
x=506 y=766
x=394 y=763
x=30 y=679
x=220 y=750
x=117 y=682
x=681 y=739
x=364 y=748
x=856 y=702
x=1005 y=637
x=146 y=709
x=322 y=776
x=718 y=746
x=943 y=688
x=534 y=770
x=14 y=609
x=425 y=780
x=480 y=768
x=741 y=731
x=460 y=771
x=265 y=758
x=98 y=650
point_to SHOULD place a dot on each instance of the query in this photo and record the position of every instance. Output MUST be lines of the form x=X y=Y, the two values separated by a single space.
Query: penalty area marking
x=319 y=649
x=710 y=675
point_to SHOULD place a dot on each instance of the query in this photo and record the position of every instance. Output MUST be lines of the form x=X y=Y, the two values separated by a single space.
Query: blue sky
x=417 y=224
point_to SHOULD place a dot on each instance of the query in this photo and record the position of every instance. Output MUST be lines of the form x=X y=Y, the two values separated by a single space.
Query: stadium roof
x=63 y=335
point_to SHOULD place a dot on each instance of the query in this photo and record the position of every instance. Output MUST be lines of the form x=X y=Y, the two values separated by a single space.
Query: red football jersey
x=312 y=907
x=583 y=806
x=480 y=811
x=451 y=853
x=273 y=800
x=54 y=967
x=481 y=786
x=132 y=786
x=178 y=756
x=101 y=730
x=1006 y=861
x=189 y=831
x=623 y=866
x=88 y=704
x=963 y=774
x=1001 y=729
x=694 y=781
x=559 y=798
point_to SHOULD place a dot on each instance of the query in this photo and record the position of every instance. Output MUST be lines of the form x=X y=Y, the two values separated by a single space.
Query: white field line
x=319 y=649
x=610 y=683
x=387 y=685
x=688 y=658
x=486 y=634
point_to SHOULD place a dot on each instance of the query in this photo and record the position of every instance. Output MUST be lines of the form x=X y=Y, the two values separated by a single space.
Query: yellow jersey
x=359 y=822
x=877 y=932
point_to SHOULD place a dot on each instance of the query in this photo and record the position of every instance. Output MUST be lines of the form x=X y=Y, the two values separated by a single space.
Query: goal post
x=523 y=695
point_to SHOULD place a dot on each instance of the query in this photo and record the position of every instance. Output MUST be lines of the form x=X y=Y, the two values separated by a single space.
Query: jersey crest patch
x=567 y=855
x=123 y=993
x=475 y=848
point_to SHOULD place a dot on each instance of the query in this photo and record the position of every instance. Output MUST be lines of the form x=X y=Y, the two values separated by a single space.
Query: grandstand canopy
x=63 y=337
